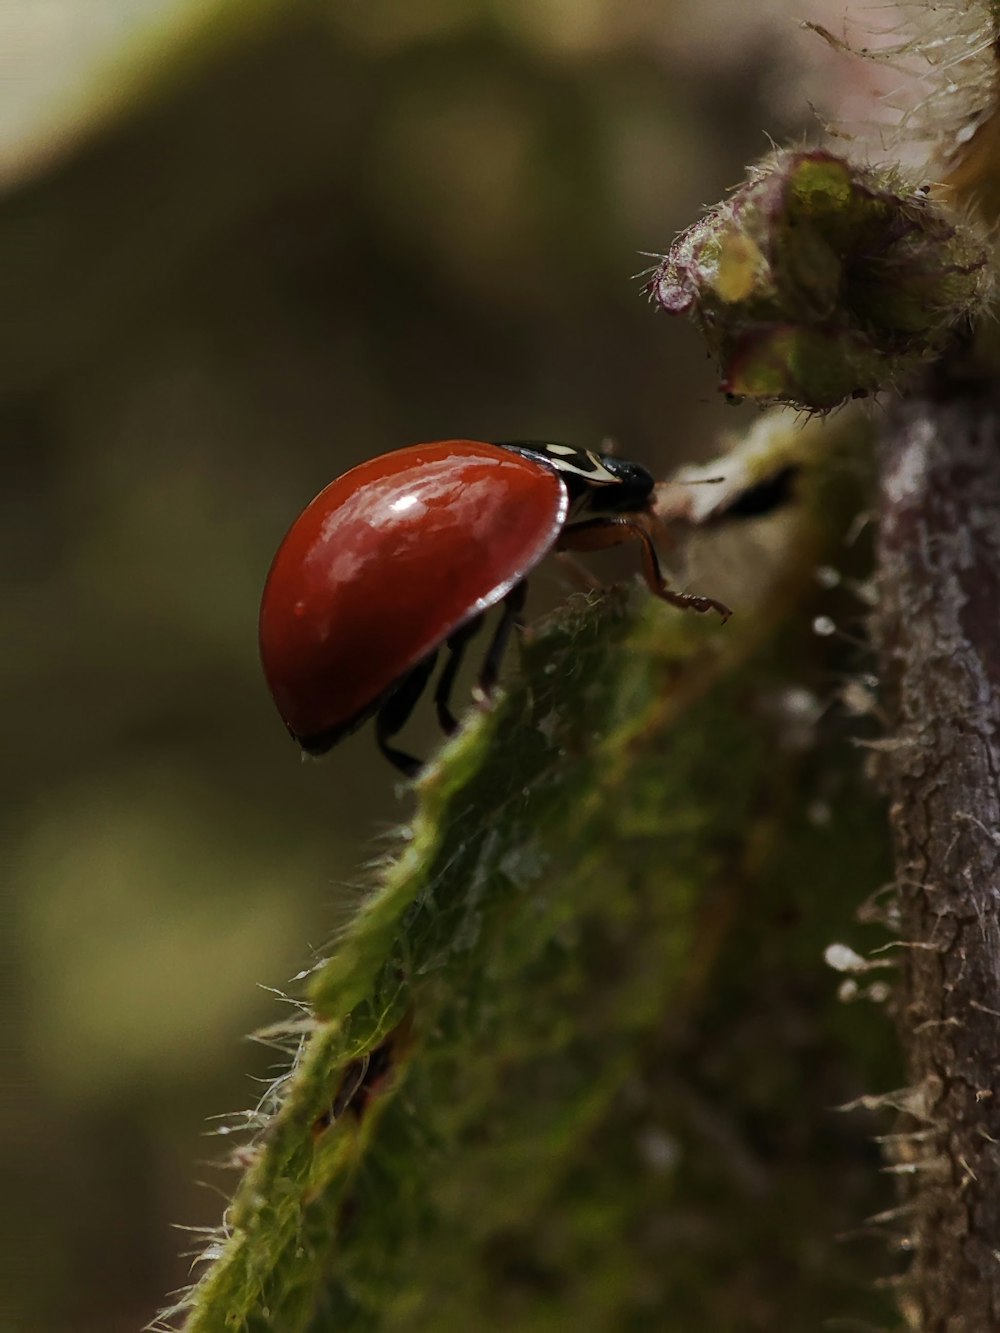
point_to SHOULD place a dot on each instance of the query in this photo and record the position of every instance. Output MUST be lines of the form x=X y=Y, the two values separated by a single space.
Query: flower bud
x=819 y=281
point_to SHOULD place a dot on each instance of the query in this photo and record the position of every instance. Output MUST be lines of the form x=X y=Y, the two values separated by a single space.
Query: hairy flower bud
x=818 y=281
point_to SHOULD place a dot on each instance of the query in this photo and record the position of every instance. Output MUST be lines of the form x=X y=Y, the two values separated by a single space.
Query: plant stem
x=937 y=628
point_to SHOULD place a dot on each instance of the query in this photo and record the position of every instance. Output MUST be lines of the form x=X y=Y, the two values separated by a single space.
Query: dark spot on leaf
x=763 y=498
x=511 y=1257
x=362 y=1080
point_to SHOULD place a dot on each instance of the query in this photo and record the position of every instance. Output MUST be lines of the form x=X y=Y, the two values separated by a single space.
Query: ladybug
x=402 y=556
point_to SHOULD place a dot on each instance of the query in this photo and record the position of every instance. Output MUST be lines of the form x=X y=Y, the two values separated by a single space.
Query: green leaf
x=444 y=1153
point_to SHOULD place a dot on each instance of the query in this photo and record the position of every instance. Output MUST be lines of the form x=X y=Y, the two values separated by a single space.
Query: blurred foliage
x=243 y=247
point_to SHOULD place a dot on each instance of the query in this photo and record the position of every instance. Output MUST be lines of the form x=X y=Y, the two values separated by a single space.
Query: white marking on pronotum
x=589 y=465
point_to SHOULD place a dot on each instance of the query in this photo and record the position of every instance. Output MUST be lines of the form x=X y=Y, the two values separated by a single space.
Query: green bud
x=819 y=281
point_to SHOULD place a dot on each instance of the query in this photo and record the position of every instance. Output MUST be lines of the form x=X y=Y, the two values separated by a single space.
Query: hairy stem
x=938 y=631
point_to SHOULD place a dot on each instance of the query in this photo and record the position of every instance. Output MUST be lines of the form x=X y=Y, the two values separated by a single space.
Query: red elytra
x=386 y=563
x=404 y=553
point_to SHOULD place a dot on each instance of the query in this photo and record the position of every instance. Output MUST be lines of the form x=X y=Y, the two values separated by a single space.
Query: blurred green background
x=242 y=247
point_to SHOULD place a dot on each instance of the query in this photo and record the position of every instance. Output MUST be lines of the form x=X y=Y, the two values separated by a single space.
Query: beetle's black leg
x=392 y=716
x=513 y=605
x=394 y=713
x=446 y=681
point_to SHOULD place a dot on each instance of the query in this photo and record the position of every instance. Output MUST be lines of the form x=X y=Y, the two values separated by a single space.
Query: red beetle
x=403 y=555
